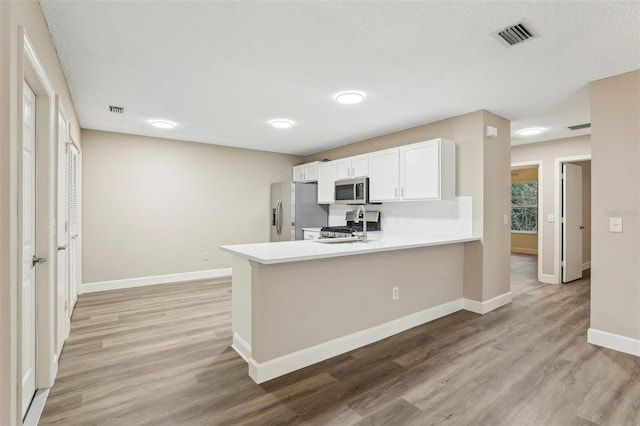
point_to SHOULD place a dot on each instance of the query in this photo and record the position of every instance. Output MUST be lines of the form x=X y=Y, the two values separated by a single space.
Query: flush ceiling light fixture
x=281 y=123
x=349 y=98
x=162 y=124
x=530 y=131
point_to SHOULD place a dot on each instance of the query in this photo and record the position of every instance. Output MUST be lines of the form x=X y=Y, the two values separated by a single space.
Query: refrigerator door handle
x=279 y=217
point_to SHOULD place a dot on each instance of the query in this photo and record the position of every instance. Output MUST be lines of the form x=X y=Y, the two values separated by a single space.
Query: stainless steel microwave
x=352 y=191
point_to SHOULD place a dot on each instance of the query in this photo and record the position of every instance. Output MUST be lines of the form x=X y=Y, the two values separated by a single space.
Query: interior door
x=62 y=304
x=571 y=223
x=28 y=237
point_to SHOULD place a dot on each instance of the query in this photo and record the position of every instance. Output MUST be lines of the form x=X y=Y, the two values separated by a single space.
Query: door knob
x=581 y=227
x=35 y=260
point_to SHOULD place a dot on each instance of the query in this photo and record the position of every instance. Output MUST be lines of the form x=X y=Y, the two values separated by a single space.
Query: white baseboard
x=614 y=341
x=241 y=347
x=37 y=407
x=262 y=371
x=487 y=305
x=586 y=265
x=153 y=280
x=548 y=279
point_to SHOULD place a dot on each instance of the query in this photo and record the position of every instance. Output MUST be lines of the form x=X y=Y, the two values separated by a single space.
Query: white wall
x=154 y=206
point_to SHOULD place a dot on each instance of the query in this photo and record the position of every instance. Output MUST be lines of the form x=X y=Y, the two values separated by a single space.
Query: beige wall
x=547 y=152
x=482 y=171
x=154 y=206
x=615 y=138
x=426 y=277
x=13 y=16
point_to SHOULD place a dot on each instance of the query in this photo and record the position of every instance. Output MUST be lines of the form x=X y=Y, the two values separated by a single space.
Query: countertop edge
x=364 y=250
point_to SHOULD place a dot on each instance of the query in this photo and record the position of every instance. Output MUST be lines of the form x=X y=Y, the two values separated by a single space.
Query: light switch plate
x=615 y=224
x=550 y=218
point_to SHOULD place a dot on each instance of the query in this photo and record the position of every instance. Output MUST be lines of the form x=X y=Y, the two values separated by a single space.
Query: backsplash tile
x=448 y=217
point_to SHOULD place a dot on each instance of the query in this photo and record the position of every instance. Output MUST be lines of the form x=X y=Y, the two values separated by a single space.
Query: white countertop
x=293 y=251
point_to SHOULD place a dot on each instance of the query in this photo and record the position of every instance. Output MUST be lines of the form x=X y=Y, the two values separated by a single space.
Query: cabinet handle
x=402 y=192
x=396 y=193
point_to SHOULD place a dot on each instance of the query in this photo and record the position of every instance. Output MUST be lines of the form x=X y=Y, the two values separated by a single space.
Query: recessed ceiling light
x=162 y=124
x=349 y=98
x=281 y=123
x=530 y=131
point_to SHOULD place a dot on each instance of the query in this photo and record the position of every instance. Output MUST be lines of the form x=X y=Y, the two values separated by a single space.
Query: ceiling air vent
x=515 y=34
x=580 y=126
x=116 y=109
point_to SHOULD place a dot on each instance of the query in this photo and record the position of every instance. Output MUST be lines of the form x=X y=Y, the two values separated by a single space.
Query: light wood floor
x=160 y=356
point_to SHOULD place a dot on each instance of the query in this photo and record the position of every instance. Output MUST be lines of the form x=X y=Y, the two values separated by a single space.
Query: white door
x=28 y=290
x=74 y=222
x=572 y=222
x=62 y=317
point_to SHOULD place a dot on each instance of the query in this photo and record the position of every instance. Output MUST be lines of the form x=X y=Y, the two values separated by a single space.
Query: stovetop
x=337 y=231
x=373 y=224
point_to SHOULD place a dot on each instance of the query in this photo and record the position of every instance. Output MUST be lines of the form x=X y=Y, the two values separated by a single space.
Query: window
x=524 y=207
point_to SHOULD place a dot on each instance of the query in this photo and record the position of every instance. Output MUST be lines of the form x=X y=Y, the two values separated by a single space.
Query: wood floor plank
x=161 y=355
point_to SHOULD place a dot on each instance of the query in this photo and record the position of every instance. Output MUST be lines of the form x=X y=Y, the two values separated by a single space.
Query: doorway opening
x=526 y=218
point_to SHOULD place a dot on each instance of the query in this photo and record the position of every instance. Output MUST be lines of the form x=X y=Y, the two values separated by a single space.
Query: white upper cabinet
x=384 y=175
x=352 y=167
x=420 y=171
x=327 y=175
x=307 y=172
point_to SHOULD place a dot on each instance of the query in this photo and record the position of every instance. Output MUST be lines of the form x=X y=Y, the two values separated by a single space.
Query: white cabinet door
x=327 y=173
x=298 y=173
x=311 y=172
x=420 y=171
x=343 y=168
x=384 y=175
x=360 y=165
x=306 y=172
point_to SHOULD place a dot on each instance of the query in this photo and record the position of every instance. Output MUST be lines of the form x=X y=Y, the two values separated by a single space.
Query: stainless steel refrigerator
x=294 y=205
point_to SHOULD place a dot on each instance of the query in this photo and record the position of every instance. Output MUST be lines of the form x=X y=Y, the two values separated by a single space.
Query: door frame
x=557 y=246
x=539 y=164
x=31 y=69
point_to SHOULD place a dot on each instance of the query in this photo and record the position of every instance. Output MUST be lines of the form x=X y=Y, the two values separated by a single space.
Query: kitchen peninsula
x=296 y=303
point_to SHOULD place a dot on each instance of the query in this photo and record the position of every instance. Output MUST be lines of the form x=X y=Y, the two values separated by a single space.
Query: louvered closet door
x=74 y=221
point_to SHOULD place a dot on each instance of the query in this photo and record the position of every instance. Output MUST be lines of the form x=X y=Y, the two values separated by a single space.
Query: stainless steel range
x=348 y=230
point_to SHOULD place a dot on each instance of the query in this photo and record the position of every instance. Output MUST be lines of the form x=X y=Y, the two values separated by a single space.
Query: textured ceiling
x=222 y=70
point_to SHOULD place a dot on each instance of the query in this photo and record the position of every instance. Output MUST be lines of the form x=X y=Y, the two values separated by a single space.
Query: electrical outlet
x=396 y=293
x=205 y=256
